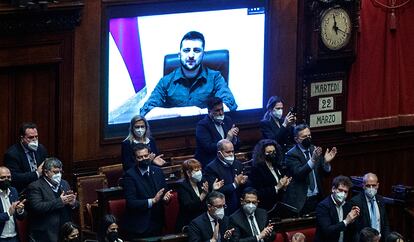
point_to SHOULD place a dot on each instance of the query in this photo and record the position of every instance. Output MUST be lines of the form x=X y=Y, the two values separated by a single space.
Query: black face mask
x=306 y=143
x=273 y=158
x=5 y=184
x=112 y=236
x=143 y=164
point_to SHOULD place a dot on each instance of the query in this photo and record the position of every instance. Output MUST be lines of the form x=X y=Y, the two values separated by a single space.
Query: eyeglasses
x=5 y=177
x=218 y=206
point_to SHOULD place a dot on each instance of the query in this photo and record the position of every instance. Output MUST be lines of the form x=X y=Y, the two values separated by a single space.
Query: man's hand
x=330 y=154
x=20 y=206
x=228 y=233
x=240 y=179
x=158 y=160
x=167 y=196
x=39 y=169
x=290 y=119
x=352 y=215
x=317 y=152
x=217 y=184
x=233 y=132
x=68 y=197
x=266 y=232
x=158 y=196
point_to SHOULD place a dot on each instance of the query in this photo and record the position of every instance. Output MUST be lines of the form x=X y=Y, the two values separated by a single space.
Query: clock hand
x=334 y=26
x=340 y=30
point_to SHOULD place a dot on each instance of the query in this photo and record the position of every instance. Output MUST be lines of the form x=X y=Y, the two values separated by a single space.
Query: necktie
x=254 y=230
x=218 y=234
x=374 y=218
x=32 y=161
x=311 y=174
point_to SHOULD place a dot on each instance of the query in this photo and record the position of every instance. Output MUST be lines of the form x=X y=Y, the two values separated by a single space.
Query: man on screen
x=189 y=86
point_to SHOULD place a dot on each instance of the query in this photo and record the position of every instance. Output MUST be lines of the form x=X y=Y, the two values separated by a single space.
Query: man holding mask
x=25 y=159
x=307 y=166
x=226 y=168
x=145 y=192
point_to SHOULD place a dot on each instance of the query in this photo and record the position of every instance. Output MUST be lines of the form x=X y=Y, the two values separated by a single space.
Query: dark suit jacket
x=299 y=170
x=282 y=135
x=207 y=137
x=4 y=217
x=190 y=204
x=200 y=228
x=216 y=169
x=46 y=211
x=139 y=218
x=128 y=156
x=364 y=217
x=264 y=182
x=243 y=231
x=16 y=160
x=328 y=227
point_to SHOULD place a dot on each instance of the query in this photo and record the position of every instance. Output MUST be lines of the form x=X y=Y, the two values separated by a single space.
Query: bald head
x=370 y=180
x=4 y=169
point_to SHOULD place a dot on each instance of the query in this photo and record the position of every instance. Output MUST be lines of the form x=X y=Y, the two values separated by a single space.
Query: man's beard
x=183 y=64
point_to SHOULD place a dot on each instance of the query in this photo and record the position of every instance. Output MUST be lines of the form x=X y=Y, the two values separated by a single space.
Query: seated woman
x=109 y=230
x=274 y=126
x=139 y=132
x=69 y=232
x=192 y=192
x=267 y=173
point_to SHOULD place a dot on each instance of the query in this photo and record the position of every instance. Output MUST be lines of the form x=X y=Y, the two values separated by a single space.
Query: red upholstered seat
x=171 y=214
x=280 y=237
x=22 y=230
x=308 y=232
x=117 y=208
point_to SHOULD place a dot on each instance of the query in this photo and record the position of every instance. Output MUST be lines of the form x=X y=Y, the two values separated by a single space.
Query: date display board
x=326 y=102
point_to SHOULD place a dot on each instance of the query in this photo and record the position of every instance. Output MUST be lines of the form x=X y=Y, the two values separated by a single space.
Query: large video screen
x=138 y=38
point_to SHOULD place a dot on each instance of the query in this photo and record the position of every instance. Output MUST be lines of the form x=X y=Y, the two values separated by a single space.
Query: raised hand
x=352 y=215
x=158 y=195
x=228 y=233
x=167 y=196
x=317 y=152
x=330 y=154
x=290 y=119
x=233 y=132
x=266 y=232
x=217 y=184
x=158 y=160
x=204 y=187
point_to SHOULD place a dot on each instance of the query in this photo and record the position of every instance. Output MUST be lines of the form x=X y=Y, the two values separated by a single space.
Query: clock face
x=335 y=28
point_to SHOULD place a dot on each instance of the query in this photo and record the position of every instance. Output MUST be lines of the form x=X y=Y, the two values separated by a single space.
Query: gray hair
x=214 y=195
x=51 y=162
x=369 y=175
x=221 y=143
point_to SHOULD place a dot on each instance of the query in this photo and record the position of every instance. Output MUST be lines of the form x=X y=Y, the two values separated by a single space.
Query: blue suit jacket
x=207 y=137
x=243 y=231
x=328 y=227
x=4 y=217
x=216 y=169
x=299 y=170
x=139 y=217
x=16 y=160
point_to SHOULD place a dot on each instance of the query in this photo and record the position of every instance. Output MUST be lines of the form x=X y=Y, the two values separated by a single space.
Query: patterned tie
x=32 y=161
x=255 y=232
x=373 y=215
x=311 y=174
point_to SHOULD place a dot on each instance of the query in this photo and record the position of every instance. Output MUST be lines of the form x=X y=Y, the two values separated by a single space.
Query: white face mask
x=57 y=178
x=277 y=113
x=371 y=192
x=33 y=145
x=340 y=197
x=249 y=208
x=219 y=213
x=139 y=132
x=197 y=176
x=219 y=118
x=229 y=159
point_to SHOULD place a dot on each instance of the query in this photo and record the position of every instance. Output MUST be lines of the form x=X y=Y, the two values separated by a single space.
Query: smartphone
x=292 y=110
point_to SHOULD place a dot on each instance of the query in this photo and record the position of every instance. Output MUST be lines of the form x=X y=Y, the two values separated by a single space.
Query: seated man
x=334 y=216
x=373 y=212
x=10 y=208
x=145 y=192
x=191 y=84
x=307 y=166
x=25 y=159
x=369 y=234
x=212 y=128
x=50 y=203
x=226 y=168
x=249 y=222
x=211 y=226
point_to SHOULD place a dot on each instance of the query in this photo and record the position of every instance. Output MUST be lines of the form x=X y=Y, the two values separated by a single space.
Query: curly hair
x=259 y=151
